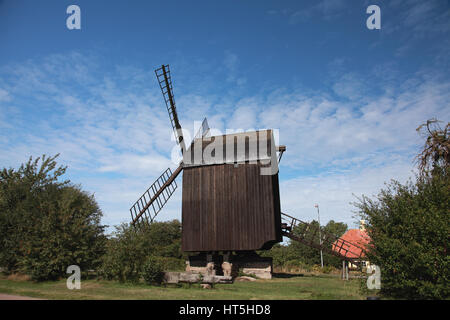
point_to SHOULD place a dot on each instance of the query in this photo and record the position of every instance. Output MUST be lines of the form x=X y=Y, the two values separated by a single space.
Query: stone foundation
x=205 y=264
x=191 y=277
x=252 y=263
x=229 y=264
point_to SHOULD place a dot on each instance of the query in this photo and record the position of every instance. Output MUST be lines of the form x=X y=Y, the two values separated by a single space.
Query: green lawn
x=281 y=287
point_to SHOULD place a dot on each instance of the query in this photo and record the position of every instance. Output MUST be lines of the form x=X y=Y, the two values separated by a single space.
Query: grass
x=281 y=287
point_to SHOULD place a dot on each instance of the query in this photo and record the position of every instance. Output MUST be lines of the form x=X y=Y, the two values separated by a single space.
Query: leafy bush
x=409 y=226
x=280 y=254
x=297 y=265
x=128 y=250
x=173 y=264
x=152 y=270
x=125 y=254
x=328 y=269
x=47 y=225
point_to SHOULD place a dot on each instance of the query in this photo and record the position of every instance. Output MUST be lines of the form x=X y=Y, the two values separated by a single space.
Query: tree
x=18 y=192
x=128 y=250
x=153 y=271
x=409 y=227
x=282 y=255
x=305 y=254
x=337 y=229
x=47 y=225
x=435 y=155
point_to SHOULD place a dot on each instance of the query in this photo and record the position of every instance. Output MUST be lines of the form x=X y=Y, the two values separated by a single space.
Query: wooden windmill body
x=229 y=202
x=230 y=198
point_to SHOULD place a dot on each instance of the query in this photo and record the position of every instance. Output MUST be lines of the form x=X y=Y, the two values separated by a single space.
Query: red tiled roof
x=357 y=237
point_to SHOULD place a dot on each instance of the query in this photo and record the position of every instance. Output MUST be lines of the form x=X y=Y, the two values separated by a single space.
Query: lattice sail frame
x=165 y=83
x=147 y=207
x=330 y=243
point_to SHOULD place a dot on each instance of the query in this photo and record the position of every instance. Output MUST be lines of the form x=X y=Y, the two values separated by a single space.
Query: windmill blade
x=154 y=199
x=165 y=83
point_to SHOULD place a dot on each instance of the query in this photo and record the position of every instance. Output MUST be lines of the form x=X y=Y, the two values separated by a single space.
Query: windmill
x=230 y=196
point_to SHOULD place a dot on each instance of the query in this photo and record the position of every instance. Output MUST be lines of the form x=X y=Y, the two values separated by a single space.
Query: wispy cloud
x=4 y=95
x=324 y=9
x=111 y=127
x=416 y=21
x=335 y=192
x=231 y=62
x=320 y=129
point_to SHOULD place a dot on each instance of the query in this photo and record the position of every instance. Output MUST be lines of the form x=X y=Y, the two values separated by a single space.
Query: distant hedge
x=129 y=250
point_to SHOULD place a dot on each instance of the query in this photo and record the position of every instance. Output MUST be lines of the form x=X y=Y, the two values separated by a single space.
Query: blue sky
x=346 y=99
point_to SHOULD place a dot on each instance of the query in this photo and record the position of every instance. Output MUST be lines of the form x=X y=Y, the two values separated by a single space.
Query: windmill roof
x=231 y=148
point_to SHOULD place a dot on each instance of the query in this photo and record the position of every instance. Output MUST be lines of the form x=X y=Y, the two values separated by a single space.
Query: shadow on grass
x=287 y=275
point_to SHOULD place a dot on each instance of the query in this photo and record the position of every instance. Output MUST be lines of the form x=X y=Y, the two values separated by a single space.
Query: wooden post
x=344 y=270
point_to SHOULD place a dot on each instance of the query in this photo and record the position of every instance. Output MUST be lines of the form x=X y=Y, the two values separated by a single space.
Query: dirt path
x=12 y=297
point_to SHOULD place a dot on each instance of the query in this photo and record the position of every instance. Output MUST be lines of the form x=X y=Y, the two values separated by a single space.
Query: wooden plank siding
x=228 y=208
